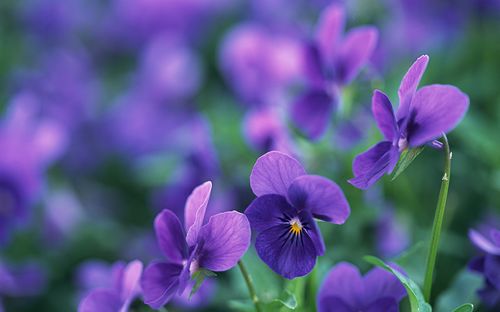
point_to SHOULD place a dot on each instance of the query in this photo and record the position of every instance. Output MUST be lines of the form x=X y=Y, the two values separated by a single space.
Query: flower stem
x=438 y=221
x=249 y=282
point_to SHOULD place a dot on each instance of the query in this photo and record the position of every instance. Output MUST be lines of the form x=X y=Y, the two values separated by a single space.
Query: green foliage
x=407 y=157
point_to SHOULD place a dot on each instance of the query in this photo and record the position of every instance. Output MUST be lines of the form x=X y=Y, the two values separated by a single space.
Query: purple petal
x=329 y=31
x=101 y=300
x=287 y=254
x=333 y=304
x=265 y=211
x=380 y=283
x=344 y=282
x=312 y=111
x=477 y=264
x=484 y=243
x=130 y=282
x=355 y=52
x=313 y=232
x=225 y=238
x=383 y=305
x=492 y=270
x=312 y=65
x=321 y=196
x=371 y=165
x=409 y=85
x=170 y=236
x=159 y=283
x=384 y=115
x=437 y=109
x=273 y=173
x=196 y=207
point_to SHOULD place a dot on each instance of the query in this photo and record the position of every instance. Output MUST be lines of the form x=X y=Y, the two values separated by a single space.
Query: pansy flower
x=423 y=116
x=345 y=290
x=331 y=62
x=124 y=288
x=288 y=238
x=216 y=246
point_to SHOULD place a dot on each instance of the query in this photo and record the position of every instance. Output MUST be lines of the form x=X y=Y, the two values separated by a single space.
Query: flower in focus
x=288 y=239
x=216 y=246
x=117 y=297
x=331 y=61
x=423 y=115
x=344 y=289
x=487 y=239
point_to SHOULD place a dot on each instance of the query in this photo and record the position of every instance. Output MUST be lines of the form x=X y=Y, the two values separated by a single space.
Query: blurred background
x=113 y=110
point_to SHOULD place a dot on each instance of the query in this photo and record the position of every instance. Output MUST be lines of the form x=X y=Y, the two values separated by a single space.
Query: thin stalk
x=438 y=220
x=251 y=288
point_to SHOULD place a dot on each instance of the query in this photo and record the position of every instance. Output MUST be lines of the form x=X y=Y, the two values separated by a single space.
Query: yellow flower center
x=295 y=226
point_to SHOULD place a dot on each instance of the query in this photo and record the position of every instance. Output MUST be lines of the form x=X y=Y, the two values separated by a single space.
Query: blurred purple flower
x=288 y=239
x=215 y=246
x=21 y=280
x=392 y=237
x=264 y=130
x=202 y=298
x=119 y=295
x=344 y=289
x=422 y=117
x=94 y=274
x=331 y=62
x=350 y=132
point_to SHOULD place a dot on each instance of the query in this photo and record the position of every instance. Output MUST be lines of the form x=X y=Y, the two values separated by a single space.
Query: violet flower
x=423 y=116
x=117 y=298
x=488 y=264
x=345 y=290
x=216 y=246
x=288 y=239
x=331 y=62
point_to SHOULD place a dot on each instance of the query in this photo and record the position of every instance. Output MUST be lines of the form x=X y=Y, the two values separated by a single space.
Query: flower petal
x=285 y=253
x=344 y=282
x=225 y=239
x=383 y=305
x=371 y=165
x=321 y=196
x=409 y=85
x=196 y=206
x=492 y=270
x=131 y=278
x=312 y=111
x=333 y=304
x=265 y=211
x=329 y=31
x=437 y=109
x=484 y=243
x=273 y=172
x=384 y=115
x=170 y=236
x=159 y=283
x=355 y=52
x=380 y=283
x=101 y=300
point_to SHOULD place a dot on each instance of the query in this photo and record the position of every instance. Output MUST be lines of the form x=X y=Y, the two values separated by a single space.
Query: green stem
x=438 y=221
x=251 y=288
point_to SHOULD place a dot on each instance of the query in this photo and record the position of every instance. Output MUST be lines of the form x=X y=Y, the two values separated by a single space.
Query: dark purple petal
x=101 y=300
x=477 y=264
x=492 y=270
x=312 y=111
x=321 y=196
x=159 y=283
x=196 y=207
x=409 y=85
x=383 y=305
x=380 y=283
x=130 y=281
x=329 y=31
x=225 y=239
x=170 y=236
x=484 y=243
x=489 y=295
x=437 y=109
x=356 y=49
x=313 y=231
x=285 y=253
x=333 y=304
x=343 y=282
x=312 y=65
x=265 y=211
x=273 y=173
x=371 y=165
x=384 y=115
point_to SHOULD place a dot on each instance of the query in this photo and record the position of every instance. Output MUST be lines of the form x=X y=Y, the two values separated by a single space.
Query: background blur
x=113 y=110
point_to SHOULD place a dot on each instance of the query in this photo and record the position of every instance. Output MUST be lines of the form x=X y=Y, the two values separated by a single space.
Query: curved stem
x=249 y=282
x=438 y=220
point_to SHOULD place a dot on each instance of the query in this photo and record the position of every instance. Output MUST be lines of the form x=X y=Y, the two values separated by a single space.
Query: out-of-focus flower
x=392 y=237
x=344 y=289
x=288 y=239
x=201 y=298
x=63 y=214
x=117 y=297
x=422 y=117
x=215 y=246
x=350 y=132
x=331 y=62
x=264 y=130
x=487 y=239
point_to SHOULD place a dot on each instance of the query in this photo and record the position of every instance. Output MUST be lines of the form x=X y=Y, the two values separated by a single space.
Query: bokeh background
x=113 y=110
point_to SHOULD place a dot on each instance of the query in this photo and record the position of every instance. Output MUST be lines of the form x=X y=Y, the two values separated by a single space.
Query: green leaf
x=407 y=157
x=466 y=307
x=417 y=300
x=288 y=300
x=199 y=276
x=462 y=289
x=241 y=305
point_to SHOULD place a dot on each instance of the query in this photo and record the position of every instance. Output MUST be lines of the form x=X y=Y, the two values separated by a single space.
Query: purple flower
x=288 y=239
x=216 y=246
x=117 y=297
x=392 y=236
x=423 y=116
x=331 y=61
x=345 y=290
x=264 y=130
